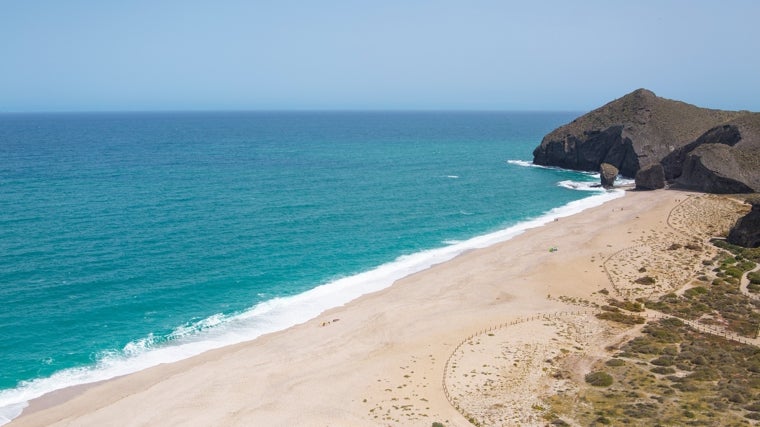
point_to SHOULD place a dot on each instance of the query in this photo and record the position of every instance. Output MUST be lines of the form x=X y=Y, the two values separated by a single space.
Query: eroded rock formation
x=608 y=173
x=651 y=177
x=697 y=148
x=746 y=232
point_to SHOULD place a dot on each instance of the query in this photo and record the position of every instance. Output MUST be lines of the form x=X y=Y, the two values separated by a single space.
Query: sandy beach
x=464 y=337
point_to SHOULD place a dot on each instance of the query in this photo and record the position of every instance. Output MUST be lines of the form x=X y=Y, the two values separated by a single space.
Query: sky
x=135 y=55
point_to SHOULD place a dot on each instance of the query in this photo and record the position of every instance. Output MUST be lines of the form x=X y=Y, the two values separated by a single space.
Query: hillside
x=699 y=148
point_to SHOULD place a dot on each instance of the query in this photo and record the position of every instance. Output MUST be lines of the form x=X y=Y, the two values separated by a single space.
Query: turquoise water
x=131 y=239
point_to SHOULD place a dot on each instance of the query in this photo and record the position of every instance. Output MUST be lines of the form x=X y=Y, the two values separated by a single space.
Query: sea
x=133 y=239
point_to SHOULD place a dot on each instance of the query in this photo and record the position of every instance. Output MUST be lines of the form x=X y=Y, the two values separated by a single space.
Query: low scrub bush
x=599 y=379
x=662 y=361
x=663 y=370
x=692 y=292
x=619 y=317
x=627 y=305
x=615 y=362
x=646 y=280
x=754 y=277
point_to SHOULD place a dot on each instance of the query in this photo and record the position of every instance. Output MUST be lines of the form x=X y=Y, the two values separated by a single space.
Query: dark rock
x=608 y=173
x=746 y=232
x=725 y=165
x=651 y=177
x=702 y=149
x=636 y=130
x=699 y=175
x=723 y=134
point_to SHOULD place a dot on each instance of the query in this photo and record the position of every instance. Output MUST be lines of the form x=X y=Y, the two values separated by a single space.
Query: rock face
x=746 y=232
x=698 y=148
x=608 y=173
x=651 y=177
x=724 y=134
x=727 y=160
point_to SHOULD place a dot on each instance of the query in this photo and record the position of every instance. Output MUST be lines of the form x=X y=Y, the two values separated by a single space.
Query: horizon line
x=296 y=110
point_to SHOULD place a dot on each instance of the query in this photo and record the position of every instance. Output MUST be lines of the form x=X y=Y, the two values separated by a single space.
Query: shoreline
x=466 y=301
x=324 y=297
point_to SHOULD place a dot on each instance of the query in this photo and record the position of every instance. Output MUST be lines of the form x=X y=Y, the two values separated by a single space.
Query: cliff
x=746 y=232
x=724 y=160
x=700 y=148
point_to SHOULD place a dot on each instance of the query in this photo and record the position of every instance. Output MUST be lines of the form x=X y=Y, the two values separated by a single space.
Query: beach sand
x=478 y=328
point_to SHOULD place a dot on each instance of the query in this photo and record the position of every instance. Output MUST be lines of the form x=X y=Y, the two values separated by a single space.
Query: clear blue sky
x=95 y=55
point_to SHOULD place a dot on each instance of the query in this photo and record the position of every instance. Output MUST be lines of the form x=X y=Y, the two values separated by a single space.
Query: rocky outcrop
x=726 y=160
x=651 y=177
x=608 y=173
x=746 y=232
x=723 y=134
x=698 y=148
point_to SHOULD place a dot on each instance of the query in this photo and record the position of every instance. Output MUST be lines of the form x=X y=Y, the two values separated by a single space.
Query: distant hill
x=699 y=148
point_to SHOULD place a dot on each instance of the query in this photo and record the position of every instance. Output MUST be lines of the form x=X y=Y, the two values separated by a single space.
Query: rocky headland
x=659 y=141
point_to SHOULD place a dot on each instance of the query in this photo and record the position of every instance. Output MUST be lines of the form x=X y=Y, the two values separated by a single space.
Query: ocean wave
x=623 y=181
x=529 y=164
x=451 y=242
x=620 y=181
x=269 y=316
x=581 y=185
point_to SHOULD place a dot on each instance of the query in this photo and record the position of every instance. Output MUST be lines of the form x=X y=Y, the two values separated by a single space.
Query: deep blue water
x=125 y=233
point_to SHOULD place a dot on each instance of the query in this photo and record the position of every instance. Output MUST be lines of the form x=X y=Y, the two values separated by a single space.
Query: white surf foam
x=580 y=185
x=619 y=181
x=273 y=315
x=623 y=181
x=528 y=164
x=594 y=185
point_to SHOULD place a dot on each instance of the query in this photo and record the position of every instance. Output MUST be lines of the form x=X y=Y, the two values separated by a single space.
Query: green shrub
x=693 y=246
x=615 y=362
x=754 y=277
x=746 y=253
x=662 y=361
x=619 y=317
x=672 y=322
x=734 y=272
x=646 y=280
x=663 y=334
x=663 y=370
x=627 y=305
x=599 y=379
x=692 y=292
x=704 y=373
